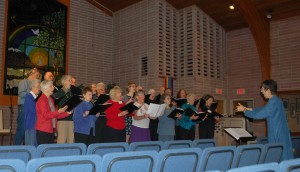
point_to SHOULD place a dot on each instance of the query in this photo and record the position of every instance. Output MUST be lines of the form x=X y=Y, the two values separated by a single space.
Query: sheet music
x=156 y=110
x=237 y=133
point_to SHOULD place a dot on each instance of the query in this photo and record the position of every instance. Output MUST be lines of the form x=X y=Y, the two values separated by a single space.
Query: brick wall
x=135 y=36
x=90 y=44
x=285 y=53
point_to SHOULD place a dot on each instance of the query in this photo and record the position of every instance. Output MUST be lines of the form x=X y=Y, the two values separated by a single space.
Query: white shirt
x=34 y=96
x=143 y=123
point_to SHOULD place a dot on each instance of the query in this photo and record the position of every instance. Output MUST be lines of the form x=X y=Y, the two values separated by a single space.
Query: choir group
x=42 y=112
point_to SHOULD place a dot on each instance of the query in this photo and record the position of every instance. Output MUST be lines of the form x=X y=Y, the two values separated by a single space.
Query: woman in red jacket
x=46 y=111
x=115 y=117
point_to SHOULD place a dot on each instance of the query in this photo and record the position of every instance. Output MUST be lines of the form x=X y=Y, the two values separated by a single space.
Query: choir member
x=23 y=89
x=181 y=94
x=161 y=92
x=166 y=125
x=186 y=129
x=128 y=98
x=140 y=124
x=115 y=130
x=207 y=126
x=45 y=110
x=30 y=112
x=65 y=126
x=153 y=122
x=84 y=123
x=100 y=124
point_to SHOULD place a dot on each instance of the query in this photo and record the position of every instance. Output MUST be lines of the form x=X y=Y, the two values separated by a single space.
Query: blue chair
x=186 y=159
x=272 y=152
x=104 y=148
x=292 y=165
x=204 y=143
x=76 y=163
x=23 y=152
x=12 y=165
x=217 y=158
x=136 y=161
x=175 y=144
x=247 y=155
x=296 y=146
x=149 y=146
x=49 y=150
x=267 y=167
x=262 y=140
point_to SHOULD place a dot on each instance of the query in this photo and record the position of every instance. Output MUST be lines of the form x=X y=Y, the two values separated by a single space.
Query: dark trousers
x=44 y=138
x=20 y=131
x=100 y=129
x=153 y=129
x=184 y=134
x=85 y=138
x=114 y=135
x=207 y=129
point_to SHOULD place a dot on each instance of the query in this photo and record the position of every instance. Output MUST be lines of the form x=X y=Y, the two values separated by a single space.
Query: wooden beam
x=260 y=29
x=101 y=7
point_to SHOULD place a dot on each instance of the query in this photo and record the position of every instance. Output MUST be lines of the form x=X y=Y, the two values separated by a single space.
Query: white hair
x=45 y=85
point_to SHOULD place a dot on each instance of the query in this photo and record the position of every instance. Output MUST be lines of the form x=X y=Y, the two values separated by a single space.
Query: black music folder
x=179 y=102
x=102 y=99
x=130 y=107
x=202 y=102
x=190 y=112
x=99 y=108
x=214 y=106
x=175 y=112
x=72 y=102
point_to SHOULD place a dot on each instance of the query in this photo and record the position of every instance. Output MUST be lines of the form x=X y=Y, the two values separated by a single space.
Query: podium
x=240 y=135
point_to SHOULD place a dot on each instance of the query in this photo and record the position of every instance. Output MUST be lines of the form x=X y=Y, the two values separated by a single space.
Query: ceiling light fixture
x=231 y=6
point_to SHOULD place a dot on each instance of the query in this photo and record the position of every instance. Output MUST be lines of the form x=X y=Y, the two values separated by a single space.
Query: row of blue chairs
x=172 y=160
x=213 y=158
x=26 y=152
x=284 y=166
x=295 y=144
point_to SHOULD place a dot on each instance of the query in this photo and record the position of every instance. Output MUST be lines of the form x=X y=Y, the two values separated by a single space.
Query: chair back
x=146 y=146
x=76 y=163
x=267 y=167
x=175 y=144
x=136 y=161
x=21 y=152
x=50 y=150
x=217 y=158
x=292 y=165
x=104 y=148
x=296 y=146
x=204 y=143
x=272 y=152
x=247 y=155
x=12 y=165
x=185 y=159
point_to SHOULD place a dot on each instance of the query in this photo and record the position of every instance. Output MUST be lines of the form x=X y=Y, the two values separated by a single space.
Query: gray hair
x=151 y=90
x=100 y=84
x=33 y=82
x=45 y=84
x=189 y=96
x=65 y=78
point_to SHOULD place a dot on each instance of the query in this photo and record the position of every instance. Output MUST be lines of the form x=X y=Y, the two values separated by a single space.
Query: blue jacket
x=278 y=130
x=30 y=112
x=83 y=124
x=185 y=121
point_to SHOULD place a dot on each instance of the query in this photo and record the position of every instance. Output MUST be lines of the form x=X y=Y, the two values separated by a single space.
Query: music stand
x=239 y=135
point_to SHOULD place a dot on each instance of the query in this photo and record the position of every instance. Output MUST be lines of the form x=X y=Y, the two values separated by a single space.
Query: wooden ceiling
x=219 y=9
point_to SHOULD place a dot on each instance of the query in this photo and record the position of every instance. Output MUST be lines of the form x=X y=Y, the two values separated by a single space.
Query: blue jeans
x=20 y=132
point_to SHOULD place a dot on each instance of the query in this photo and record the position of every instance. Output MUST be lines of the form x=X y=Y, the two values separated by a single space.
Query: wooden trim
x=260 y=29
x=100 y=7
